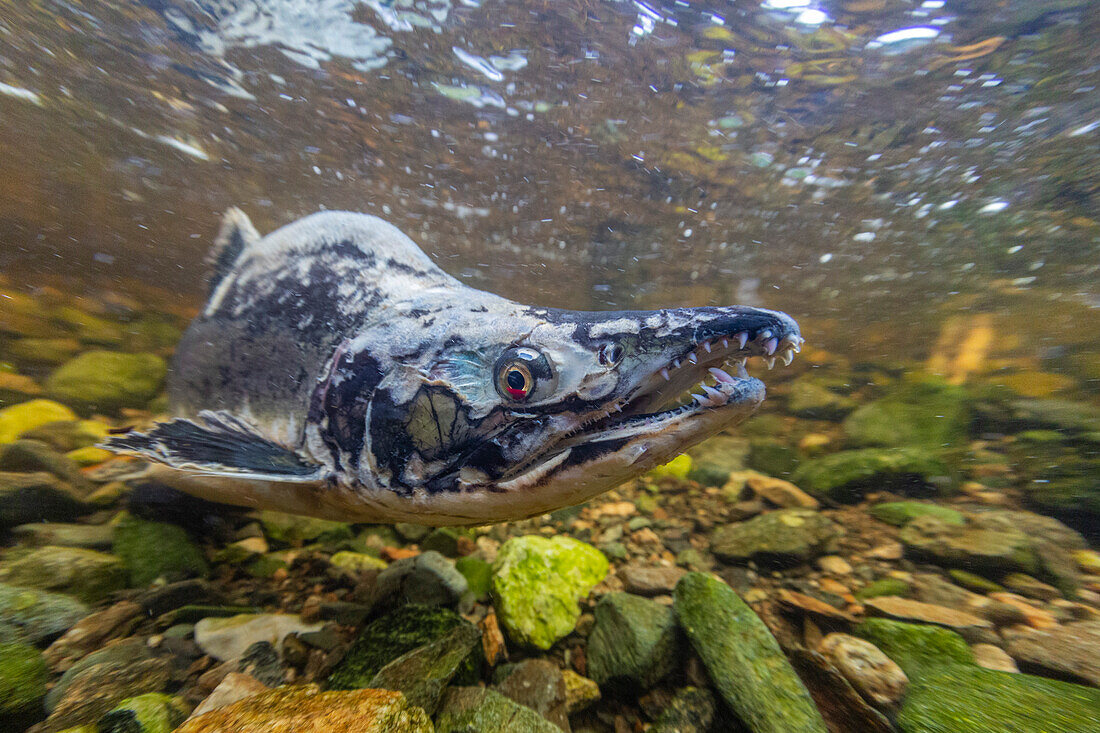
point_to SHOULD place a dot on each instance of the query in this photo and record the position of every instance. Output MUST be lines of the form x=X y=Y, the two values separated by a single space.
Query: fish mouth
x=708 y=379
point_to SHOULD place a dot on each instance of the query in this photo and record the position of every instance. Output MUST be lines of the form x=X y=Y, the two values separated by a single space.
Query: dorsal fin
x=235 y=235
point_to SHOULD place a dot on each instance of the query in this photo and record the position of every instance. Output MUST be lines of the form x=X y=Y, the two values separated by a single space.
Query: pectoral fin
x=217 y=443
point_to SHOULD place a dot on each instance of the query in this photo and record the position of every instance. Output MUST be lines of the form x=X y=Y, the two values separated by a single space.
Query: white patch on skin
x=616 y=327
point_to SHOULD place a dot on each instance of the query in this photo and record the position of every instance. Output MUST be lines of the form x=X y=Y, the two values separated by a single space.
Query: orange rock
x=492 y=640
x=904 y=609
x=811 y=605
x=398 y=553
x=1036 y=618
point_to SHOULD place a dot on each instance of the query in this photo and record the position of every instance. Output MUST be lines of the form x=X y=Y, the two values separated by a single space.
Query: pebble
x=1034 y=617
x=877 y=678
x=993 y=657
x=539 y=685
x=91 y=633
x=904 y=609
x=1071 y=651
x=228 y=638
x=649 y=581
x=834 y=564
x=233 y=687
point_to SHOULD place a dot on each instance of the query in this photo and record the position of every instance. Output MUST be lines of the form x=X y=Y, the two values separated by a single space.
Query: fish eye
x=610 y=354
x=523 y=373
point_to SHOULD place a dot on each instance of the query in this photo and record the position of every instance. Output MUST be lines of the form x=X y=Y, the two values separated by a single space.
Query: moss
x=924 y=411
x=883 y=587
x=156 y=549
x=478 y=574
x=915 y=647
x=900 y=513
x=467 y=709
x=783 y=537
x=635 y=640
x=974 y=582
x=153 y=712
x=22 y=678
x=845 y=476
x=107 y=381
x=958 y=698
x=86 y=574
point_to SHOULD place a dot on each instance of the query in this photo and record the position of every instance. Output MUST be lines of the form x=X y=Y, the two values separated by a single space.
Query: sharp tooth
x=787 y=357
x=664 y=373
x=770 y=361
x=720 y=375
x=692 y=358
x=741 y=371
x=676 y=363
x=742 y=361
x=770 y=346
x=742 y=339
x=715 y=395
x=699 y=398
x=706 y=345
x=764 y=335
x=725 y=343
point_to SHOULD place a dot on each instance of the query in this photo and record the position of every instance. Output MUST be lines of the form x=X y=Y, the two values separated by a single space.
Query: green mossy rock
x=478 y=574
x=988 y=543
x=89 y=329
x=69 y=435
x=22 y=678
x=469 y=709
x=88 y=575
x=387 y=638
x=107 y=381
x=1057 y=473
x=744 y=660
x=423 y=673
x=713 y=460
x=294 y=529
x=356 y=562
x=816 y=402
x=37 y=497
x=154 y=550
x=883 y=587
x=900 y=513
x=784 y=537
x=772 y=457
x=972 y=581
x=926 y=412
x=847 y=475
x=34 y=616
x=915 y=647
x=18 y=419
x=49 y=351
x=153 y=712
x=32 y=455
x=537 y=583
x=635 y=641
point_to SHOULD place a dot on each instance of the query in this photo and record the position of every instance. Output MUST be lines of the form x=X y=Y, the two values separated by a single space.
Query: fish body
x=336 y=371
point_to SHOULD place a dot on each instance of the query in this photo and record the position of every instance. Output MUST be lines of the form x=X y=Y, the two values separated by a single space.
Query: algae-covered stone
x=294 y=529
x=846 y=475
x=356 y=562
x=537 y=583
x=32 y=615
x=713 y=460
x=49 y=351
x=34 y=455
x=107 y=381
x=88 y=536
x=678 y=468
x=154 y=550
x=428 y=579
x=22 y=678
x=387 y=638
x=926 y=412
x=18 y=419
x=153 y=712
x=69 y=435
x=635 y=640
x=782 y=537
x=305 y=709
x=986 y=543
x=900 y=513
x=478 y=574
x=466 y=709
x=37 y=497
x=423 y=673
x=957 y=698
x=88 y=575
x=915 y=647
x=883 y=587
x=811 y=400
x=743 y=658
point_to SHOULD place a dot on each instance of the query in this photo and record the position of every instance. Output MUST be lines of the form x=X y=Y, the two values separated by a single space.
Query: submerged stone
x=154 y=550
x=847 y=475
x=635 y=641
x=986 y=543
x=153 y=712
x=816 y=402
x=23 y=677
x=915 y=647
x=228 y=638
x=423 y=673
x=294 y=529
x=783 y=537
x=537 y=583
x=37 y=497
x=18 y=419
x=107 y=381
x=927 y=412
x=34 y=616
x=88 y=575
x=744 y=660
x=466 y=709
x=691 y=710
x=900 y=513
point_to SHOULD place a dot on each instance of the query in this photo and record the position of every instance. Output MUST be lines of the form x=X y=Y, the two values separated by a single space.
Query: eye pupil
x=516 y=380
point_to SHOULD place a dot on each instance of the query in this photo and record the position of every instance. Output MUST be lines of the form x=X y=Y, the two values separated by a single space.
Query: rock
x=86 y=574
x=1065 y=416
x=927 y=412
x=539 y=685
x=1068 y=652
x=33 y=616
x=423 y=673
x=834 y=565
x=47 y=351
x=781 y=493
x=153 y=550
x=635 y=641
x=107 y=381
x=243 y=551
x=691 y=710
x=261 y=661
x=87 y=536
x=715 y=458
x=228 y=638
x=152 y=712
x=784 y=537
x=392 y=635
x=772 y=456
x=1032 y=616
x=22 y=678
x=1057 y=475
x=915 y=647
x=26 y=456
x=114 y=655
x=874 y=675
x=811 y=400
x=580 y=692
x=25 y=416
x=678 y=468
x=900 y=513
x=846 y=475
x=428 y=579
x=986 y=543
x=905 y=609
x=92 y=632
x=972 y=582
x=744 y=660
x=37 y=497
x=233 y=687
x=813 y=606
x=486 y=711
x=478 y=574
x=355 y=563
x=16 y=388
x=492 y=640
x=993 y=657
x=969 y=699
x=411 y=532
x=1028 y=586
x=69 y=435
x=537 y=583
x=305 y=709
x=294 y=529
x=883 y=587
x=443 y=540
x=646 y=580
x=101 y=681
